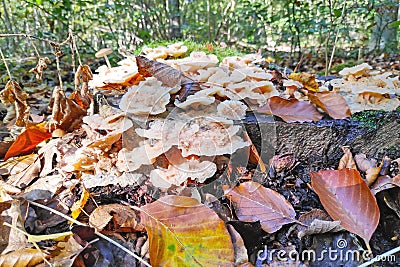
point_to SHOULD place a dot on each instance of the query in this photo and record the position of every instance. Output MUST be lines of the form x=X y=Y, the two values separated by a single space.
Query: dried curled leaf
x=13 y=94
x=291 y=110
x=41 y=65
x=67 y=113
x=253 y=202
x=318 y=222
x=308 y=80
x=363 y=163
x=122 y=218
x=385 y=182
x=184 y=232
x=347 y=160
x=347 y=198
x=332 y=103
x=25 y=257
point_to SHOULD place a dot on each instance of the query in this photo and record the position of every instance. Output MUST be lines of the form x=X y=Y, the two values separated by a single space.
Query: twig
x=5 y=63
x=34 y=47
x=97 y=233
x=334 y=44
x=380 y=257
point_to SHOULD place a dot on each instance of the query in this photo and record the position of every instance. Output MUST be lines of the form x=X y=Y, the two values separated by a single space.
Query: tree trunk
x=175 y=19
x=384 y=37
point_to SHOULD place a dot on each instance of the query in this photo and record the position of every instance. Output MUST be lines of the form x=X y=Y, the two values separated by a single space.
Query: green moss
x=371 y=118
x=338 y=67
x=196 y=46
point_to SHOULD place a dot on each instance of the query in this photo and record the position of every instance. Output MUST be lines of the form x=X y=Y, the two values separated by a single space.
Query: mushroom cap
x=103 y=52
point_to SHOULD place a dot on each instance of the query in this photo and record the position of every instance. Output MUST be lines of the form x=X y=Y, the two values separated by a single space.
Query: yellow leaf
x=55 y=237
x=308 y=80
x=78 y=206
x=184 y=232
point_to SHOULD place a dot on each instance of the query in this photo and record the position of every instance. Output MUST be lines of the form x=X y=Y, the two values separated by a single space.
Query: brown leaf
x=66 y=114
x=318 y=222
x=123 y=218
x=332 y=103
x=166 y=74
x=253 y=202
x=238 y=246
x=347 y=160
x=24 y=257
x=291 y=110
x=363 y=163
x=41 y=65
x=385 y=182
x=347 y=198
x=372 y=174
x=184 y=232
x=13 y=94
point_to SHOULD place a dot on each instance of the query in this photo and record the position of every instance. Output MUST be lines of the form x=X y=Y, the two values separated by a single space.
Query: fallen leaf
x=253 y=203
x=77 y=207
x=238 y=246
x=332 y=103
x=167 y=75
x=184 y=232
x=40 y=66
x=13 y=94
x=372 y=174
x=24 y=257
x=308 y=80
x=28 y=140
x=291 y=110
x=363 y=163
x=66 y=113
x=347 y=160
x=385 y=182
x=123 y=218
x=318 y=222
x=347 y=198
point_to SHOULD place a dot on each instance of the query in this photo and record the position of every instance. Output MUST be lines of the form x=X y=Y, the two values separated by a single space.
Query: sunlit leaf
x=28 y=140
x=184 y=232
x=308 y=80
x=332 y=103
x=78 y=206
x=24 y=257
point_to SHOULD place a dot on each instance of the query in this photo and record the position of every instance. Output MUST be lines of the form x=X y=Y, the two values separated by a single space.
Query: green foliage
x=195 y=46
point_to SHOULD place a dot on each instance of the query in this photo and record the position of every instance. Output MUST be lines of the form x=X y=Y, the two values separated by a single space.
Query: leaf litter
x=155 y=149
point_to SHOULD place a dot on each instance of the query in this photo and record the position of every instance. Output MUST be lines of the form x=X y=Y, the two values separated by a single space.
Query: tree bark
x=175 y=19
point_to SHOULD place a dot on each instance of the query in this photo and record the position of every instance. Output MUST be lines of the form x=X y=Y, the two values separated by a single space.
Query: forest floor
x=299 y=170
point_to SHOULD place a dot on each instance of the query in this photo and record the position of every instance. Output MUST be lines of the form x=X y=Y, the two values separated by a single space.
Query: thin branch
x=5 y=63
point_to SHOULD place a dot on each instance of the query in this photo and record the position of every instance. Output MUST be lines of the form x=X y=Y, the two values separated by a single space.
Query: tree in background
x=384 y=35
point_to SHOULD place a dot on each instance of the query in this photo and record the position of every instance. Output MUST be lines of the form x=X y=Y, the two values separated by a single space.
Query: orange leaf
x=253 y=202
x=332 y=103
x=347 y=198
x=308 y=80
x=184 y=232
x=291 y=110
x=28 y=140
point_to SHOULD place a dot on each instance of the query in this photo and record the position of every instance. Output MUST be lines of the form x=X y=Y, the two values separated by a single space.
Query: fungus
x=149 y=97
x=232 y=109
x=356 y=71
x=179 y=173
x=104 y=52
